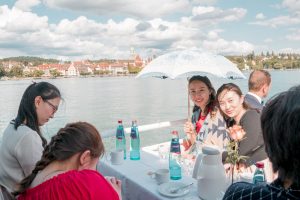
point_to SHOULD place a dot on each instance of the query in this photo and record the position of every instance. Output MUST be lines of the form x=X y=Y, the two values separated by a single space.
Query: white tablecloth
x=136 y=184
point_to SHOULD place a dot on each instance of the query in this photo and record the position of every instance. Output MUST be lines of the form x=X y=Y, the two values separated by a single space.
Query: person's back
x=253 y=101
x=274 y=191
x=84 y=184
x=19 y=151
x=67 y=168
x=259 y=85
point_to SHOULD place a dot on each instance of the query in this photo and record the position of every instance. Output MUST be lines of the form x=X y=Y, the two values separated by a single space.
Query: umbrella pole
x=189 y=114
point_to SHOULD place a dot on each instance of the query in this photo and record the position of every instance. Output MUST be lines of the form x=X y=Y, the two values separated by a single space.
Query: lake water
x=103 y=100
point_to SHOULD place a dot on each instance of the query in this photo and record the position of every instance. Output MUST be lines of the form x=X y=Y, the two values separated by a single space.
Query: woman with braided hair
x=67 y=169
x=22 y=142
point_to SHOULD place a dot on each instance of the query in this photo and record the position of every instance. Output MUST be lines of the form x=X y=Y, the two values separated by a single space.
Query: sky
x=98 y=29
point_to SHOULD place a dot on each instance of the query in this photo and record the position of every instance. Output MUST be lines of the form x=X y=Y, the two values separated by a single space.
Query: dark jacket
x=253 y=144
x=253 y=102
x=274 y=191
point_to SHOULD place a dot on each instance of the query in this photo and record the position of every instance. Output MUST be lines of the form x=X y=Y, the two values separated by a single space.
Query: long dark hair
x=27 y=110
x=212 y=97
x=280 y=122
x=72 y=139
x=230 y=87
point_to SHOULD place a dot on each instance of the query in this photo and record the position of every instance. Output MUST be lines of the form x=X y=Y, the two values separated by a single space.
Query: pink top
x=81 y=185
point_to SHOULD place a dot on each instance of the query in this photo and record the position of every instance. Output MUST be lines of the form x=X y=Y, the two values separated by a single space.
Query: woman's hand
x=116 y=184
x=239 y=167
x=189 y=130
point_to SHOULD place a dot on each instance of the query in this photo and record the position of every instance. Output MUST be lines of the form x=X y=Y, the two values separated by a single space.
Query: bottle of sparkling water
x=120 y=138
x=134 y=142
x=174 y=157
x=259 y=174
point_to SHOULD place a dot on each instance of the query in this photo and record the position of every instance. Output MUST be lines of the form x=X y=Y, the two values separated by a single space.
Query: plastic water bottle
x=259 y=174
x=134 y=142
x=174 y=157
x=120 y=138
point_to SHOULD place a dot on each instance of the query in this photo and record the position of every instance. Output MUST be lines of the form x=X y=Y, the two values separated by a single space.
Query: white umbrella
x=187 y=63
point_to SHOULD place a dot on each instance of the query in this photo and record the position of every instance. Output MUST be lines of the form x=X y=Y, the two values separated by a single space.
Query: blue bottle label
x=133 y=134
x=175 y=148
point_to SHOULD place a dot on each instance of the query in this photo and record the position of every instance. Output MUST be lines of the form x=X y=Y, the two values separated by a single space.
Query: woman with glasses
x=22 y=142
x=207 y=126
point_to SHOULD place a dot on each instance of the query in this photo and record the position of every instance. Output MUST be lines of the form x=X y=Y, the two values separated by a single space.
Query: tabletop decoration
x=237 y=134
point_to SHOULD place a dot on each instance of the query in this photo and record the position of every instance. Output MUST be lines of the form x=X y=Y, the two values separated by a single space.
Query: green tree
x=37 y=73
x=2 y=71
x=16 y=71
x=278 y=66
x=85 y=73
x=133 y=70
x=54 y=73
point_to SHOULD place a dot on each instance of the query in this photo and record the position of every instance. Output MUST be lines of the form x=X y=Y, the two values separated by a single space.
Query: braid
x=74 y=138
x=47 y=157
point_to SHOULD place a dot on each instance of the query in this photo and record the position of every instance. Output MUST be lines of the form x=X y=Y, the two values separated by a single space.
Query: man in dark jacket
x=259 y=85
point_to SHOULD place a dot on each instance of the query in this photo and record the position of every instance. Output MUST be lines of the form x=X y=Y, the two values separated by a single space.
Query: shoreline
x=103 y=76
x=62 y=77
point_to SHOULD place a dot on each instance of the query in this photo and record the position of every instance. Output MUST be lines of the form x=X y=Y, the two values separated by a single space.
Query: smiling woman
x=233 y=107
x=22 y=143
x=207 y=125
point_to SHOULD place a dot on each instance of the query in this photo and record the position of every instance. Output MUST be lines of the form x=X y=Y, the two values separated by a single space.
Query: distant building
x=118 y=68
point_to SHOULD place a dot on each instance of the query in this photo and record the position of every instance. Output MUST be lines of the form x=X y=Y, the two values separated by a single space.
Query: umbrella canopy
x=187 y=63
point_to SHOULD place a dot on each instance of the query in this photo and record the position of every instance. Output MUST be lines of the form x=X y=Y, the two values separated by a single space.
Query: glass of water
x=163 y=151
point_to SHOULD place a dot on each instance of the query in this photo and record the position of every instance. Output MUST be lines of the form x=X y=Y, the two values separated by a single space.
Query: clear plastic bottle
x=120 y=138
x=259 y=174
x=134 y=142
x=175 y=157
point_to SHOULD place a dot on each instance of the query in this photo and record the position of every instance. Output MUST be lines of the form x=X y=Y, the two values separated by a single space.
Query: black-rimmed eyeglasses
x=55 y=108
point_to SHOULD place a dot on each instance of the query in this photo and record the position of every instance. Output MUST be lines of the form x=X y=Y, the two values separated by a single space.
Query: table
x=136 y=184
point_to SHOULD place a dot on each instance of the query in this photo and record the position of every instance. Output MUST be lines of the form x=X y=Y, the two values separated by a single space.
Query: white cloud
x=293 y=5
x=30 y=34
x=279 y=21
x=212 y=15
x=260 y=16
x=203 y=10
x=228 y=47
x=204 y=2
x=153 y=8
x=213 y=34
x=16 y=20
x=26 y=5
x=79 y=26
x=289 y=50
x=268 y=40
x=295 y=36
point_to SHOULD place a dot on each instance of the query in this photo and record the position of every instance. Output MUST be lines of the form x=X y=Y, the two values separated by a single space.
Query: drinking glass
x=163 y=151
x=187 y=165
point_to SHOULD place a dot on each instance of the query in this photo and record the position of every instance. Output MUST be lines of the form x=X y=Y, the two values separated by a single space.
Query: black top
x=253 y=144
x=253 y=102
x=274 y=191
